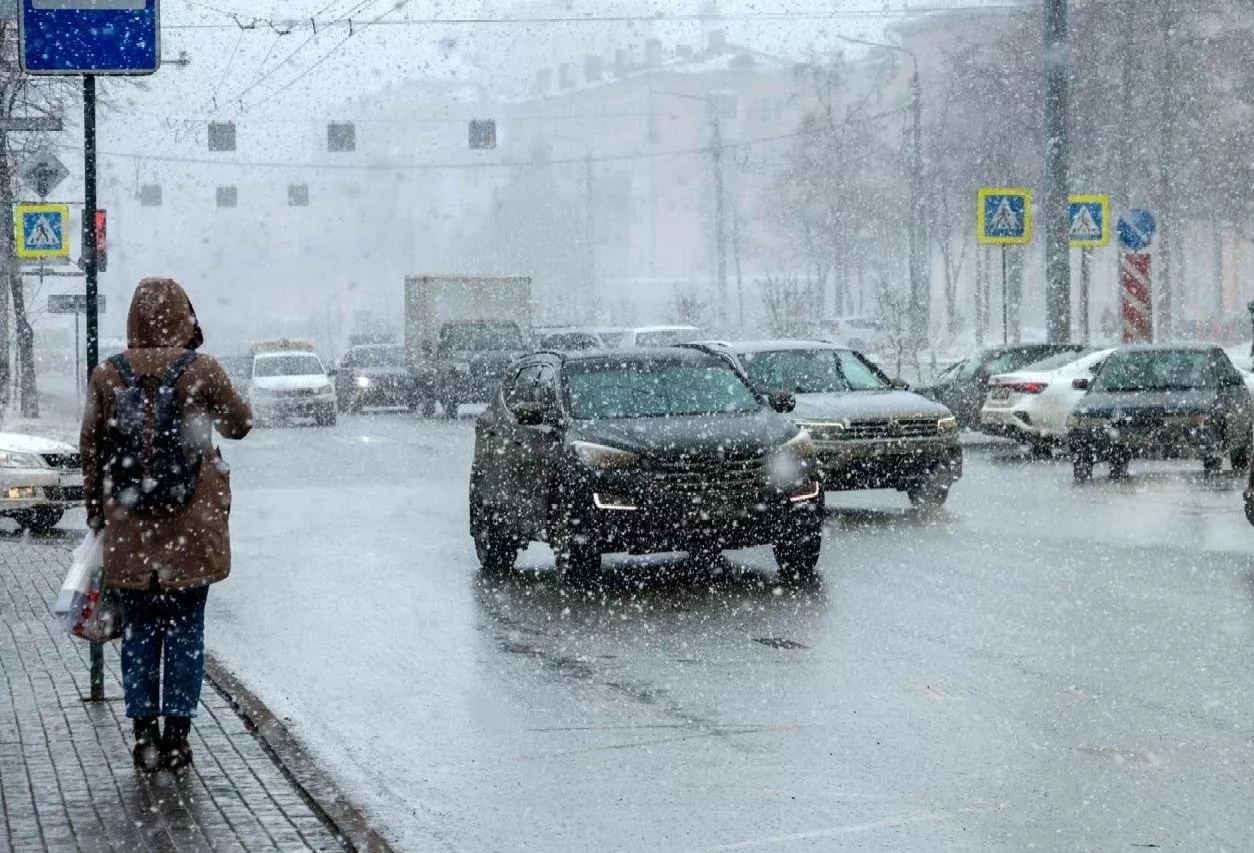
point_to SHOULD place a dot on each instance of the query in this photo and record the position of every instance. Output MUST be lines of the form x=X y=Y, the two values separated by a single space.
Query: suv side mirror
x=537 y=414
x=901 y=384
x=1082 y=384
x=782 y=401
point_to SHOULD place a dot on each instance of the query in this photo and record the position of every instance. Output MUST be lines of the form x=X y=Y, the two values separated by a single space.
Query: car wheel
x=928 y=495
x=325 y=418
x=450 y=410
x=1081 y=468
x=1119 y=467
x=40 y=521
x=428 y=408
x=1212 y=463
x=1240 y=457
x=497 y=549
x=798 y=555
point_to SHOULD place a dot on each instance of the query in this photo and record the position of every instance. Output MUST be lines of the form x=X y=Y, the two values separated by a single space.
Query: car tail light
x=1029 y=387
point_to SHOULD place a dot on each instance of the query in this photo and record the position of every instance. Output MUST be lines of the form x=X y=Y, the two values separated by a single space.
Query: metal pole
x=720 y=214
x=78 y=395
x=1054 y=205
x=1005 y=303
x=918 y=296
x=589 y=223
x=93 y=320
x=1086 y=264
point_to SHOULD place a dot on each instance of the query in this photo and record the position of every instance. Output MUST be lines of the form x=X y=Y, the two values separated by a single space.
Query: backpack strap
x=180 y=364
x=124 y=369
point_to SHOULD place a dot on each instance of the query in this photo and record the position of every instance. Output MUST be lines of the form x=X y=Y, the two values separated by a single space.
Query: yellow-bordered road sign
x=1004 y=215
x=1088 y=218
x=41 y=230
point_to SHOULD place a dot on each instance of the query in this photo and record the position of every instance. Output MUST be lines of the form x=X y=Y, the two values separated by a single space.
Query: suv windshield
x=1156 y=371
x=811 y=371
x=379 y=357
x=287 y=365
x=649 y=391
x=482 y=336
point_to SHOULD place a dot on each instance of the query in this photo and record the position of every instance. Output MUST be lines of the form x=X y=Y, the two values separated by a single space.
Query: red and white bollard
x=1137 y=288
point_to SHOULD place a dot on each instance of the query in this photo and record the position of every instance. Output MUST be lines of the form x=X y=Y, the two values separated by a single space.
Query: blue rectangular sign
x=90 y=36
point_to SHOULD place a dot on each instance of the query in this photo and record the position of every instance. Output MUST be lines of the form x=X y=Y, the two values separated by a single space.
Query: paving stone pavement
x=66 y=779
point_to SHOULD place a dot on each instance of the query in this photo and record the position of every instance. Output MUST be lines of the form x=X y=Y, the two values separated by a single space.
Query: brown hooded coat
x=191 y=547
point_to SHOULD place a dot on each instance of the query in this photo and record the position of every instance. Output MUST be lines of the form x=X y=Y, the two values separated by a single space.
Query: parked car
x=1031 y=406
x=39 y=480
x=657 y=336
x=868 y=432
x=641 y=451
x=863 y=333
x=289 y=381
x=1162 y=402
x=962 y=386
x=562 y=340
x=376 y=375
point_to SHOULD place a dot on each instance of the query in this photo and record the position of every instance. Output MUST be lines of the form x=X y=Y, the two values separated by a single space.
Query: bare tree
x=789 y=303
x=692 y=307
x=896 y=335
x=20 y=95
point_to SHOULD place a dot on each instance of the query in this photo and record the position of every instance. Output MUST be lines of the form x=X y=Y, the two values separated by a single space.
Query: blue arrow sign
x=90 y=36
x=1136 y=229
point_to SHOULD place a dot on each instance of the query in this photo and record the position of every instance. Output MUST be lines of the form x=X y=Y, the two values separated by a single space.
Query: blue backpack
x=150 y=470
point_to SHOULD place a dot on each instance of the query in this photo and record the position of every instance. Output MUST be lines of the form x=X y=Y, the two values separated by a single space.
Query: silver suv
x=869 y=431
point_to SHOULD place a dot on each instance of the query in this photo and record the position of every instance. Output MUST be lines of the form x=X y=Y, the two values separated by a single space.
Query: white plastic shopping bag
x=88 y=559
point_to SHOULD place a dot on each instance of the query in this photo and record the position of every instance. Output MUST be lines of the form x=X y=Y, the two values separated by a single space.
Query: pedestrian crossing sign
x=41 y=230
x=1089 y=218
x=1005 y=216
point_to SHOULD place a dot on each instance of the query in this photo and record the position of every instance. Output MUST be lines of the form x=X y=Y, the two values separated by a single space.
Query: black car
x=1162 y=402
x=374 y=375
x=963 y=386
x=640 y=451
x=869 y=433
x=471 y=358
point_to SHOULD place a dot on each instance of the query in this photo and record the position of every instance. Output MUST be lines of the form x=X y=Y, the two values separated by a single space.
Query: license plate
x=897 y=448
x=999 y=394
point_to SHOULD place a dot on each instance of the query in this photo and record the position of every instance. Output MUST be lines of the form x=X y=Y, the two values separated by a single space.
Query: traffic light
x=102 y=246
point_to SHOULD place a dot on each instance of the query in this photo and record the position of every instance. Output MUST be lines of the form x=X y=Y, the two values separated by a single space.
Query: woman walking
x=158 y=488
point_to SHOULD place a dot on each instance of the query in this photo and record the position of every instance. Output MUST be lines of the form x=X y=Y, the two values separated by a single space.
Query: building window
x=228 y=196
x=298 y=195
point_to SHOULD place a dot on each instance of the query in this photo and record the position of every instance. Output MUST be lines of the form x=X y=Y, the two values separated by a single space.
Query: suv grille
x=63 y=460
x=903 y=428
x=703 y=474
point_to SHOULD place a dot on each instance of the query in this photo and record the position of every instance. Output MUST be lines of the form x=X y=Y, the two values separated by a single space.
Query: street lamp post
x=1250 y=308
x=920 y=292
x=720 y=202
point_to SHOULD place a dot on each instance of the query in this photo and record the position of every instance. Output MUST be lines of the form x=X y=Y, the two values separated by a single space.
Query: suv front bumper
x=1165 y=442
x=620 y=523
x=877 y=464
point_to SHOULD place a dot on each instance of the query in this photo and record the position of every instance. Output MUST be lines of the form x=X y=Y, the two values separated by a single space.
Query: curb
x=313 y=785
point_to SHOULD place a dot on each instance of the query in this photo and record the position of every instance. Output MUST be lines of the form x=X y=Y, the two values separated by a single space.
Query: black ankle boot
x=147 y=753
x=176 y=752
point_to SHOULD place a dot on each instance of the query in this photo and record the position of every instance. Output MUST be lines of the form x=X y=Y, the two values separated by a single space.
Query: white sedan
x=39 y=480
x=1031 y=405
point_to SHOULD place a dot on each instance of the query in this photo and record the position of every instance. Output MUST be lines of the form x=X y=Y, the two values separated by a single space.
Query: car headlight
x=20 y=460
x=824 y=430
x=949 y=423
x=363 y=381
x=602 y=456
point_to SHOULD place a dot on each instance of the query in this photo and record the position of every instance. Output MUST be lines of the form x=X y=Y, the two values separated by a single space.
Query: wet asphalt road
x=1040 y=666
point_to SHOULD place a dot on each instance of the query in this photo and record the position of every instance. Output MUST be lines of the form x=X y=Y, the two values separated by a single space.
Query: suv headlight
x=20 y=460
x=949 y=423
x=363 y=382
x=602 y=456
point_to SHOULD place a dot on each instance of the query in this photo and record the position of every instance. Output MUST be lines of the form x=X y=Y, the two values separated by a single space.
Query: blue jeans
x=156 y=626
